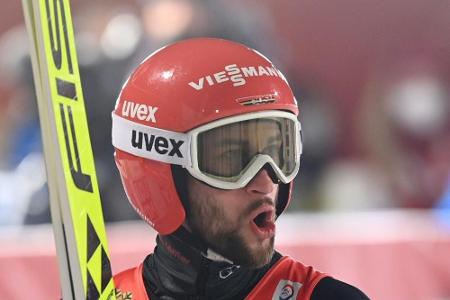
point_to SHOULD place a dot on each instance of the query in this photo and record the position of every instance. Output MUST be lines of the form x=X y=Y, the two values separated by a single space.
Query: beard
x=207 y=220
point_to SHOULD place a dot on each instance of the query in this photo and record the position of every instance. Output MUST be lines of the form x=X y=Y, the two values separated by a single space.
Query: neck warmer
x=180 y=269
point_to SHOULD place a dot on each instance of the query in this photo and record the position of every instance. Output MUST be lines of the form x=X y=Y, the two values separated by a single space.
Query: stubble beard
x=208 y=220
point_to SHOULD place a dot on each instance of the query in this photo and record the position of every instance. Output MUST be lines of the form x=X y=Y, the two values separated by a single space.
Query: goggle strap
x=150 y=142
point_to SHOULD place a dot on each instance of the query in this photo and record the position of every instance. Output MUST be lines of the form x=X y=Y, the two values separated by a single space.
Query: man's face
x=238 y=224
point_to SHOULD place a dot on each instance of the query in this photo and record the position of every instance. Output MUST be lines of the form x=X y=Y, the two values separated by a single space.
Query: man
x=207 y=144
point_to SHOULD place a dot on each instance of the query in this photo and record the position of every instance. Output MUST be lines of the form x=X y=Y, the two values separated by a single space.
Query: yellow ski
x=76 y=209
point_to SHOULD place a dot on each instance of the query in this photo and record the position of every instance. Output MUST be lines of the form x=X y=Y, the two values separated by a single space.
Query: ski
x=76 y=210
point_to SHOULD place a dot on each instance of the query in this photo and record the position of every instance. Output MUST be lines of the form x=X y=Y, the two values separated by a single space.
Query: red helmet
x=175 y=90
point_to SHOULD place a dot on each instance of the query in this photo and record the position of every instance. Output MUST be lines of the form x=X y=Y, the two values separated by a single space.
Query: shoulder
x=288 y=267
x=287 y=277
x=290 y=279
x=332 y=289
x=318 y=286
x=130 y=284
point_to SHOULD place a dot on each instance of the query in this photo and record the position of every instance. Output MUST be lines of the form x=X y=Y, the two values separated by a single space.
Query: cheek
x=229 y=202
x=224 y=203
x=204 y=200
x=234 y=205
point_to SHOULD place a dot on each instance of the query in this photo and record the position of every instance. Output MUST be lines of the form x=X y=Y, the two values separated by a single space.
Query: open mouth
x=263 y=221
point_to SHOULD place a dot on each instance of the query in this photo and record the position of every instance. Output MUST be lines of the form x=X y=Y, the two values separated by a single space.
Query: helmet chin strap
x=210 y=254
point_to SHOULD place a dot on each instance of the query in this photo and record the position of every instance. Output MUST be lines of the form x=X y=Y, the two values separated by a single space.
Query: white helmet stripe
x=150 y=142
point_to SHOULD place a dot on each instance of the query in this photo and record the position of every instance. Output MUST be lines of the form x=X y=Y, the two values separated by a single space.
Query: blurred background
x=372 y=202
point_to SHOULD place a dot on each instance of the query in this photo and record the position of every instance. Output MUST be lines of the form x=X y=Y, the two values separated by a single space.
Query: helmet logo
x=159 y=143
x=236 y=75
x=253 y=100
x=139 y=111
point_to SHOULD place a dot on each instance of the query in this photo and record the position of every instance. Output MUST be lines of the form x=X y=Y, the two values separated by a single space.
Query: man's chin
x=262 y=255
x=255 y=256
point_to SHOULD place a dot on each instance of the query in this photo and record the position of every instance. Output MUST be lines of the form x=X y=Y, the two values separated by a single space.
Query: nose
x=261 y=184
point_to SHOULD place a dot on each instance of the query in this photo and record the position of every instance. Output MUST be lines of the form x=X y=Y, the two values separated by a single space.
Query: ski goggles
x=226 y=153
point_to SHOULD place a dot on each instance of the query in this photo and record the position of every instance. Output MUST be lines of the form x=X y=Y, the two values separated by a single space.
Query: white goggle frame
x=181 y=148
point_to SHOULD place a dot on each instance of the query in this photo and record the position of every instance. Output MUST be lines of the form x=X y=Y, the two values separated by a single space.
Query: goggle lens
x=226 y=152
